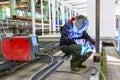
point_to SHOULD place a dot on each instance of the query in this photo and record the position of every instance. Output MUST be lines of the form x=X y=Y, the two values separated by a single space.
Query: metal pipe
x=33 y=15
x=49 y=2
x=57 y=16
x=42 y=7
x=12 y=7
x=53 y=15
x=97 y=25
x=63 y=13
x=28 y=19
x=118 y=47
x=70 y=13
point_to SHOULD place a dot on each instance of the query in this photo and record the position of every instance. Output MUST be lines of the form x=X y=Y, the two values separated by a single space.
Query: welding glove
x=86 y=48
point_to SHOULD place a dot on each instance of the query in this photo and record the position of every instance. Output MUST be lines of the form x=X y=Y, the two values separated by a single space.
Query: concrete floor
x=83 y=74
x=113 y=62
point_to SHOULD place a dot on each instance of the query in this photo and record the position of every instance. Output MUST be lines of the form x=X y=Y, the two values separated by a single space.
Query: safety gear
x=87 y=47
x=77 y=60
x=75 y=69
x=69 y=35
x=81 y=24
x=74 y=66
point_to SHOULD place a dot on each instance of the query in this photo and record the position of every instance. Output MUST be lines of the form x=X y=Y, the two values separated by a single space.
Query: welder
x=75 y=41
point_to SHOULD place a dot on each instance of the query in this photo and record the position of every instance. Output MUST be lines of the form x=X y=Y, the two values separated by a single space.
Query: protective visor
x=81 y=24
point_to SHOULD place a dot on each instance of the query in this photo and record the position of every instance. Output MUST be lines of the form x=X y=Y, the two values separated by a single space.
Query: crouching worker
x=75 y=41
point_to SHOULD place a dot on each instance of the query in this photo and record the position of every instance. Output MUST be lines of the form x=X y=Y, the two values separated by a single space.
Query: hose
x=51 y=58
x=84 y=71
x=100 y=72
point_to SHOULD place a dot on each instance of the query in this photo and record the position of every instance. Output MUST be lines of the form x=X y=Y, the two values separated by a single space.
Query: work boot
x=74 y=66
x=81 y=66
x=81 y=60
x=75 y=69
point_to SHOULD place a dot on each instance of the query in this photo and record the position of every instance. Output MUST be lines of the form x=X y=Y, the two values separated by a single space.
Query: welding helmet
x=81 y=22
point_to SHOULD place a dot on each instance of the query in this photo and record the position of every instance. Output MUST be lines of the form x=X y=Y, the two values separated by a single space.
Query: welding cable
x=44 y=59
x=44 y=67
x=100 y=72
x=73 y=72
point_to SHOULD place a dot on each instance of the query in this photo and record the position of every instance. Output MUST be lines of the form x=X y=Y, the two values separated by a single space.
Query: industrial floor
x=113 y=62
x=64 y=71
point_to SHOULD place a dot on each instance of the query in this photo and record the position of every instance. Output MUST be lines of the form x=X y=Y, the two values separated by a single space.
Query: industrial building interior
x=30 y=35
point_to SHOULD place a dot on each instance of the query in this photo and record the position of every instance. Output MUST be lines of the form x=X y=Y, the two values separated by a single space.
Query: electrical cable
x=52 y=60
x=73 y=72
x=101 y=73
x=83 y=72
x=44 y=60
x=51 y=57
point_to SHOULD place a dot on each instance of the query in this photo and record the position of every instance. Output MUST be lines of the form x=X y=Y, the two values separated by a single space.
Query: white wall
x=107 y=18
x=91 y=17
x=107 y=21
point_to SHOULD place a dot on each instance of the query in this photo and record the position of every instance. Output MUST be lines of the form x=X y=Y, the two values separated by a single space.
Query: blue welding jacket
x=70 y=34
x=86 y=45
x=79 y=31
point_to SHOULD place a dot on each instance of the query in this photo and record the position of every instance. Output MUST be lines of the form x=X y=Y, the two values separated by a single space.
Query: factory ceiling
x=76 y=4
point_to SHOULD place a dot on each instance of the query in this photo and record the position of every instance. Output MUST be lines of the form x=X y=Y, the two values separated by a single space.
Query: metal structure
x=55 y=12
x=97 y=25
x=118 y=25
x=118 y=47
